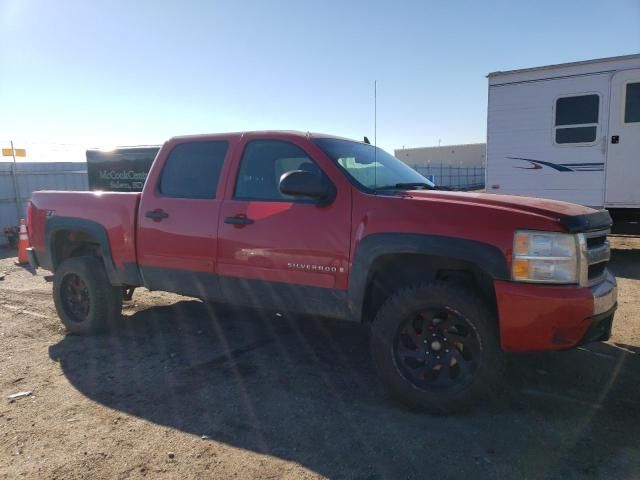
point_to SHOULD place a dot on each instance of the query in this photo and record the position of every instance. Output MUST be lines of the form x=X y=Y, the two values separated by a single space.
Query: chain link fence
x=454 y=177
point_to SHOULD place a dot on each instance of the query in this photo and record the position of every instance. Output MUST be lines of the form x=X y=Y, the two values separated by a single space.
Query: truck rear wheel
x=86 y=301
x=435 y=346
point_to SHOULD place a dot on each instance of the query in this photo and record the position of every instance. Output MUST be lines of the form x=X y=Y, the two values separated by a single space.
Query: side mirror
x=301 y=183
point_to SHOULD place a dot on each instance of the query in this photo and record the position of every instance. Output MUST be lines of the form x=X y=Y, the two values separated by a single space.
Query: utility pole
x=16 y=187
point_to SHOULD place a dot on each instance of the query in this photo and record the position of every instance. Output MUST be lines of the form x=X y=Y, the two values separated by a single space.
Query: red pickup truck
x=332 y=227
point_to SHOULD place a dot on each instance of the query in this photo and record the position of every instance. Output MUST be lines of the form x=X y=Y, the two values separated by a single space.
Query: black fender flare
x=486 y=257
x=89 y=227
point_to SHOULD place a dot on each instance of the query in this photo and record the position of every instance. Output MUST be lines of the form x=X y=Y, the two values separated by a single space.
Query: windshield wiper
x=406 y=186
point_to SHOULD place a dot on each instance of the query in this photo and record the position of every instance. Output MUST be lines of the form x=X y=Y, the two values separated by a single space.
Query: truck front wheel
x=85 y=300
x=436 y=347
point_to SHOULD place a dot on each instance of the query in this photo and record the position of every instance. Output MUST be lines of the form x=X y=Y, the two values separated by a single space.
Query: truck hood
x=573 y=217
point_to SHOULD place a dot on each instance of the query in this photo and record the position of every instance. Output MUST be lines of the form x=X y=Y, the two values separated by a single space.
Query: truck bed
x=115 y=211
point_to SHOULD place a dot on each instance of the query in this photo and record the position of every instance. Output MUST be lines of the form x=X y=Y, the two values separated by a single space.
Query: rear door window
x=192 y=170
x=576 y=119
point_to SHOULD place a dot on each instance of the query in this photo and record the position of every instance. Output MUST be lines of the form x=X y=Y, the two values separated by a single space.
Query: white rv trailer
x=567 y=132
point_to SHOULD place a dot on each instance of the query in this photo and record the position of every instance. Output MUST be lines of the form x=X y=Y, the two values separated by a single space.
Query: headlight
x=544 y=257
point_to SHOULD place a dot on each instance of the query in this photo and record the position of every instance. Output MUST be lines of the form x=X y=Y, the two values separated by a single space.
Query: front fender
x=484 y=256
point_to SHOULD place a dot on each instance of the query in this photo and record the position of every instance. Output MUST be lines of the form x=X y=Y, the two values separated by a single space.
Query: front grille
x=594 y=242
x=596 y=271
x=596 y=255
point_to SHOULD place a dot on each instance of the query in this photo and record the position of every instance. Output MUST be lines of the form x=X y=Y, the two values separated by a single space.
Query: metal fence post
x=16 y=187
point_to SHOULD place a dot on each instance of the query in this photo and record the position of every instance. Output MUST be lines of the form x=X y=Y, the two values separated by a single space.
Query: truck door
x=281 y=251
x=623 y=157
x=178 y=217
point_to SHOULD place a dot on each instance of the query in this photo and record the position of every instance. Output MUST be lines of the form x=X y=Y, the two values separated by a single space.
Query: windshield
x=371 y=167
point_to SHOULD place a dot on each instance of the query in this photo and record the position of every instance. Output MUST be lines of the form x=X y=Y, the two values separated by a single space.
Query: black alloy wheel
x=75 y=298
x=85 y=299
x=437 y=349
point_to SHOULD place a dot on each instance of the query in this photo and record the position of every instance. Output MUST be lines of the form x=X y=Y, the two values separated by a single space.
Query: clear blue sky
x=132 y=72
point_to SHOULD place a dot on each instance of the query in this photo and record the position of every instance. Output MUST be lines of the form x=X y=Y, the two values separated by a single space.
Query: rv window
x=632 y=103
x=576 y=135
x=577 y=110
x=577 y=119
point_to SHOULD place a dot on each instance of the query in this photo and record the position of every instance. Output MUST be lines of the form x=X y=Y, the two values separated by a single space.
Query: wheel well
x=72 y=243
x=392 y=272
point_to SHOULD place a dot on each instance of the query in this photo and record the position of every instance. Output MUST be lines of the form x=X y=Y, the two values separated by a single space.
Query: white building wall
x=34 y=176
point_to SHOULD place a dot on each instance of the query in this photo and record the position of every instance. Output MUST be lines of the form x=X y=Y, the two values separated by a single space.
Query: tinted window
x=580 y=111
x=577 y=110
x=262 y=165
x=193 y=170
x=576 y=135
x=632 y=103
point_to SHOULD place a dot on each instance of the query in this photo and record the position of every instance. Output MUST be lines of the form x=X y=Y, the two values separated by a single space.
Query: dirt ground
x=183 y=391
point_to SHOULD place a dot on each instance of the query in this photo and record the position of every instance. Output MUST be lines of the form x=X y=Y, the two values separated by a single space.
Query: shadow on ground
x=6 y=252
x=625 y=263
x=304 y=390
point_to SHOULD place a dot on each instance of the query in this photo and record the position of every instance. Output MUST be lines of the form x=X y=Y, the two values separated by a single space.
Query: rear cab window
x=192 y=170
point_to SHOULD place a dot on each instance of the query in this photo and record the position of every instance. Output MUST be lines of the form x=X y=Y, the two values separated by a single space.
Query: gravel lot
x=184 y=391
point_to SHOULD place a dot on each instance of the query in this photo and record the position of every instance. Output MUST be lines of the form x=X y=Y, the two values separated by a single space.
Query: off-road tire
x=483 y=381
x=104 y=300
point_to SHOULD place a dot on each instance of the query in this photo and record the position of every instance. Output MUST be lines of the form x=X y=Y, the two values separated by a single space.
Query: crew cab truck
x=332 y=227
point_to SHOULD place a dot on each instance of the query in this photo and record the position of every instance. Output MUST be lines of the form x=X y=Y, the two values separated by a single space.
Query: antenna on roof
x=375 y=113
x=375 y=132
x=366 y=140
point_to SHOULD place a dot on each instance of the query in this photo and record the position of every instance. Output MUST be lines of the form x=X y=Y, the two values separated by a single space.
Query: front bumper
x=605 y=302
x=605 y=295
x=600 y=328
x=542 y=317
